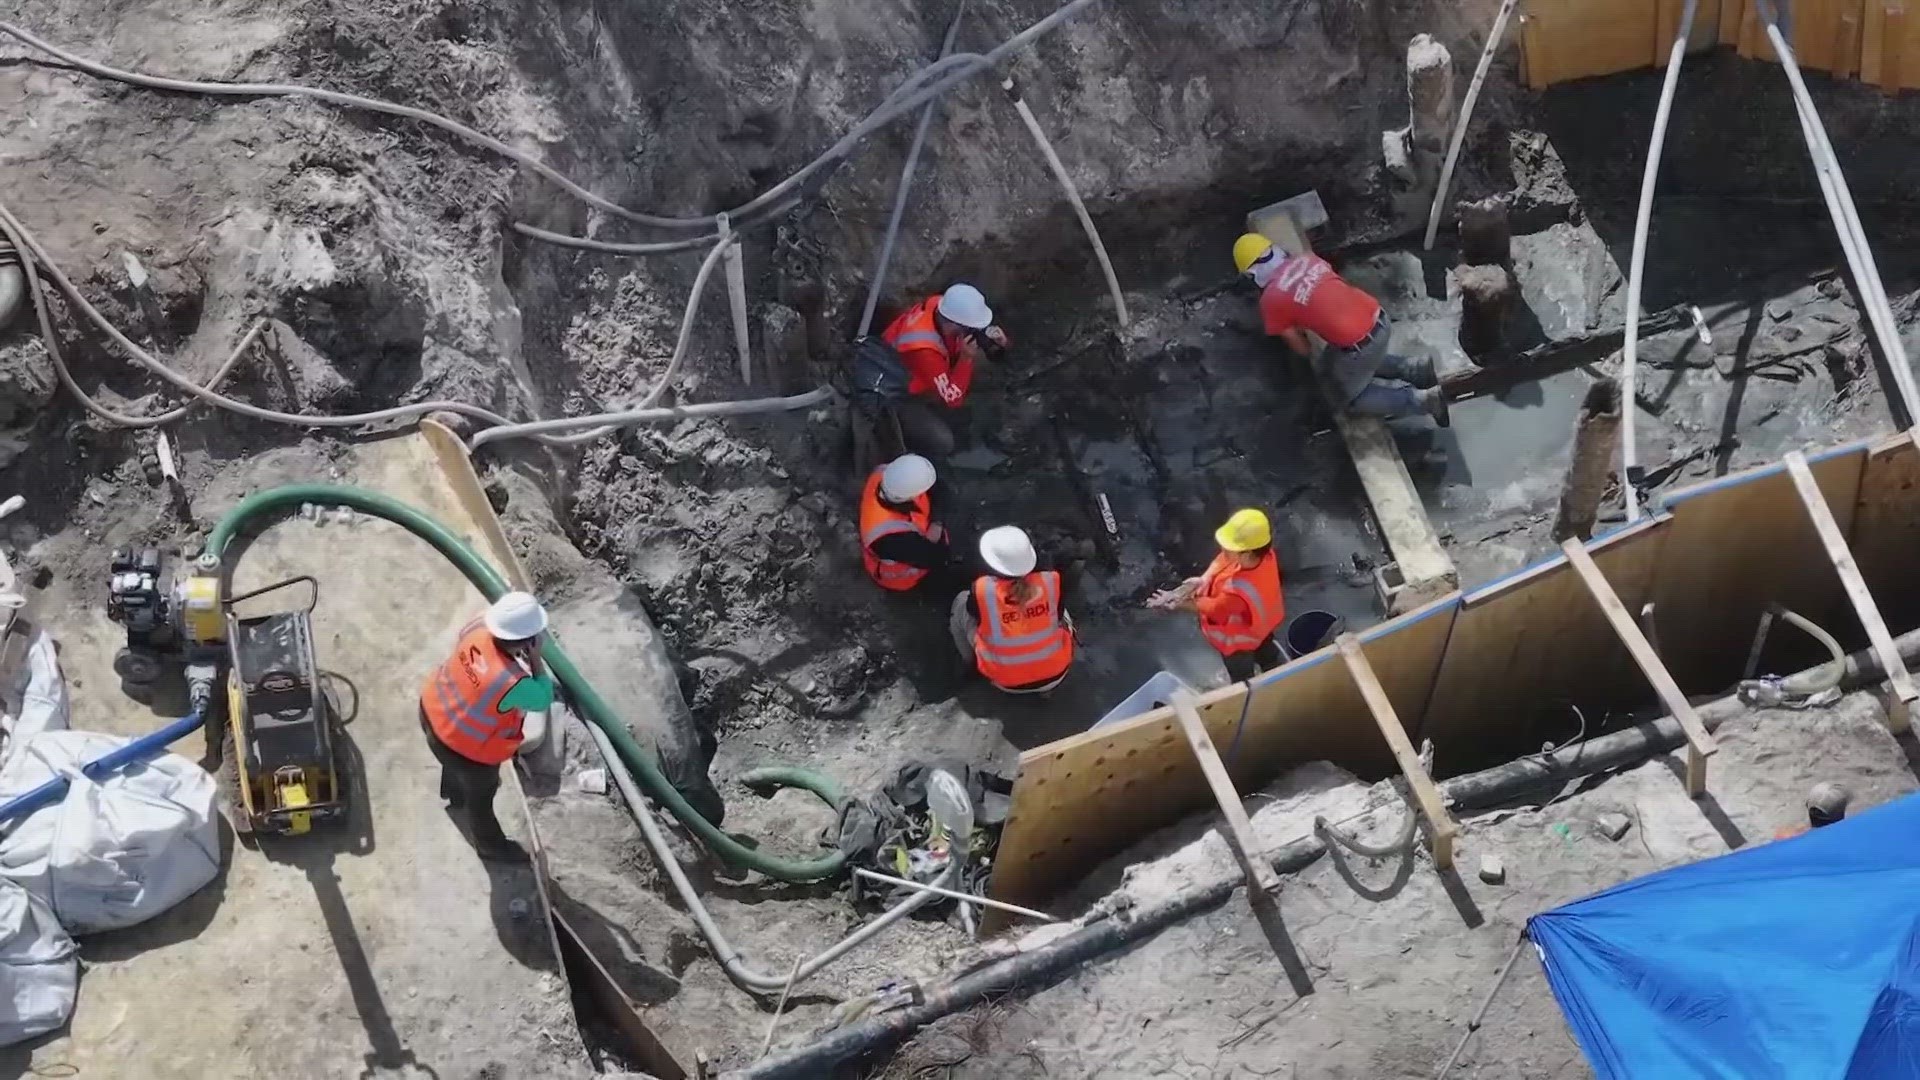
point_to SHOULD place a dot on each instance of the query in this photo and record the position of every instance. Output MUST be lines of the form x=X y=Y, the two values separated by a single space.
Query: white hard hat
x=516 y=616
x=1007 y=551
x=963 y=304
x=908 y=476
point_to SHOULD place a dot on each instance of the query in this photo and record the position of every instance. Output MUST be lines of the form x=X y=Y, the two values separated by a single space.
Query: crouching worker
x=1011 y=625
x=1238 y=597
x=900 y=543
x=1300 y=293
x=487 y=703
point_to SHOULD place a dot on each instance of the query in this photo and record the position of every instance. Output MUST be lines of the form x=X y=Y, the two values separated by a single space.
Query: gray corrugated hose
x=13 y=284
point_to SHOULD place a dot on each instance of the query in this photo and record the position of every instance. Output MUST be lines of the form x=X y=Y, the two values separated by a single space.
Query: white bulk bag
x=116 y=851
x=38 y=967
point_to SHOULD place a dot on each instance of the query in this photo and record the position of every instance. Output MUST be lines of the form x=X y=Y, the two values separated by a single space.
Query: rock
x=1396 y=150
x=783 y=339
x=1831 y=288
x=306 y=376
x=1612 y=826
x=27 y=379
x=1778 y=310
x=1492 y=870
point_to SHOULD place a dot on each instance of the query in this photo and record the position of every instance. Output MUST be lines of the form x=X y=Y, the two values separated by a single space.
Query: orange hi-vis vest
x=462 y=699
x=935 y=364
x=1020 y=643
x=1246 y=626
x=877 y=519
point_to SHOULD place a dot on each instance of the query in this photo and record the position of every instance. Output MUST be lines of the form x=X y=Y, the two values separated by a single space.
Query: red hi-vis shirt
x=1305 y=292
x=938 y=364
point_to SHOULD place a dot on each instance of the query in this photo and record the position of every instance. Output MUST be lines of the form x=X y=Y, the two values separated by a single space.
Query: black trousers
x=467 y=785
x=1242 y=666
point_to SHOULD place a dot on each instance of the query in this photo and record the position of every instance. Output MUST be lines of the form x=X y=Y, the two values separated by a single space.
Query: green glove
x=531 y=694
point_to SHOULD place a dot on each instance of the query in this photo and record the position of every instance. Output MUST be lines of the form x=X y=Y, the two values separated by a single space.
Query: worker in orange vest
x=1012 y=625
x=1301 y=292
x=1238 y=599
x=487 y=703
x=939 y=340
x=900 y=543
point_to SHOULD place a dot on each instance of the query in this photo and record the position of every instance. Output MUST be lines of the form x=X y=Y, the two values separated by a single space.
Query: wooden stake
x=1239 y=831
x=1700 y=744
x=1900 y=701
x=1440 y=825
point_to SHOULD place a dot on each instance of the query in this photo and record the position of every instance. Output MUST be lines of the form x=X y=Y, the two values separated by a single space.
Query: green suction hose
x=585 y=698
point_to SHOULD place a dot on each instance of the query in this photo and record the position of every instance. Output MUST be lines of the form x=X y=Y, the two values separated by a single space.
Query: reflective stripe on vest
x=478 y=723
x=878 y=520
x=1010 y=659
x=465 y=714
x=1238 y=634
x=917 y=339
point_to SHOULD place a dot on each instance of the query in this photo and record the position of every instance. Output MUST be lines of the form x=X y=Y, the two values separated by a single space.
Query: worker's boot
x=1434 y=401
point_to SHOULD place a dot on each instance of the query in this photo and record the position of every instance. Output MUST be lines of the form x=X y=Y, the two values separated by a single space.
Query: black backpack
x=879 y=376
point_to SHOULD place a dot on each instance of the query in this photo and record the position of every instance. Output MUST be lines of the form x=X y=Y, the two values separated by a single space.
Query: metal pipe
x=103 y=766
x=1466 y=110
x=1846 y=223
x=904 y=187
x=1073 y=196
x=1630 y=354
x=723 y=951
x=967 y=898
x=749 y=407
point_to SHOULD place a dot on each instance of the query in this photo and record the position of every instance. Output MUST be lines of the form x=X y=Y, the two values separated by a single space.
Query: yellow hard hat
x=1246 y=530
x=1249 y=249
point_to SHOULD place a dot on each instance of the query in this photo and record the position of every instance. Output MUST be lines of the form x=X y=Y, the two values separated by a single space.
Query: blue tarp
x=1797 y=959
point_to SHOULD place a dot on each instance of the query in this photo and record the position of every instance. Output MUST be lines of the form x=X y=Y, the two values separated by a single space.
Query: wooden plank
x=1733 y=13
x=1440 y=825
x=1536 y=639
x=1239 y=830
x=1887 y=32
x=1704 y=35
x=1835 y=542
x=1737 y=544
x=1700 y=743
x=1082 y=799
x=1886 y=528
x=1575 y=39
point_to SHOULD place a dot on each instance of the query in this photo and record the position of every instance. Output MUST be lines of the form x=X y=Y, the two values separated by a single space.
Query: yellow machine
x=277 y=759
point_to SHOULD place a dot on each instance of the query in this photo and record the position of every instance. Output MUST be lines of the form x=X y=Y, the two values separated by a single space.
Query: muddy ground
x=385 y=251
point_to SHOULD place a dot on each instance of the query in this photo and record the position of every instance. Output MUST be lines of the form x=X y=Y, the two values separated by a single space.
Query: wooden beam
x=1239 y=830
x=1700 y=744
x=1900 y=702
x=1440 y=825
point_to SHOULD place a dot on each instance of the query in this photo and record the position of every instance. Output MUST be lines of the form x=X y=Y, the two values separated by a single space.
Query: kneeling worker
x=1011 y=625
x=900 y=543
x=487 y=703
x=939 y=341
x=1301 y=292
x=1238 y=599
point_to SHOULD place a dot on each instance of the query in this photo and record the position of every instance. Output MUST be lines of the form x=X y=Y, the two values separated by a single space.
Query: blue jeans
x=1390 y=388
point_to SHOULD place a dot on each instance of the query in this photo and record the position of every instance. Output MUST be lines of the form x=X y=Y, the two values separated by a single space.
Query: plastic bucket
x=1308 y=631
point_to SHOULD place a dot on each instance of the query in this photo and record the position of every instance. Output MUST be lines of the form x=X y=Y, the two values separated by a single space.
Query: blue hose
x=105 y=765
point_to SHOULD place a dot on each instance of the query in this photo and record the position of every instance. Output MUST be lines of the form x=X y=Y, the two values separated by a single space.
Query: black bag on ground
x=879 y=376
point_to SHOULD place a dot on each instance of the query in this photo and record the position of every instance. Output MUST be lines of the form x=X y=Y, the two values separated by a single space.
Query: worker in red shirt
x=1300 y=292
x=1238 y=597
x=939 y=340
